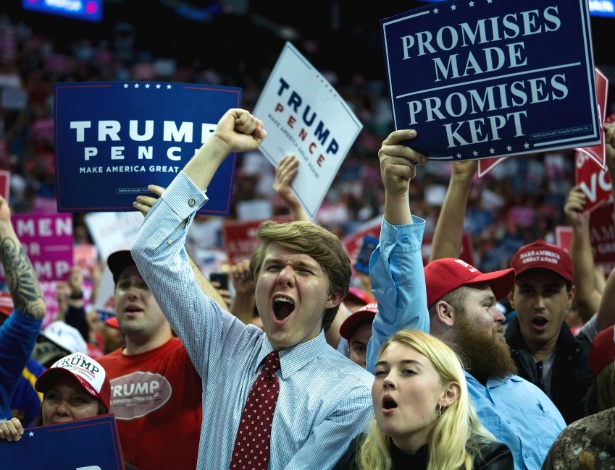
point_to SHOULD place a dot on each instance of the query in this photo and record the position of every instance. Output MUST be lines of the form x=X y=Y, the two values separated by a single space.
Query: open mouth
x=539 y=321
x=282 y=307
x=388 y=403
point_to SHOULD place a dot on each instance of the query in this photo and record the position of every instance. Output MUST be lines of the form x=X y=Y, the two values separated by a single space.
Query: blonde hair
x=458 y=434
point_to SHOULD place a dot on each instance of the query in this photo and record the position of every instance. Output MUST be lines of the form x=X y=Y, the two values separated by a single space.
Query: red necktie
x=251 y=449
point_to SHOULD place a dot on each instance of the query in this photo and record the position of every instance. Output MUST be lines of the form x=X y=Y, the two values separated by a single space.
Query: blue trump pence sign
x=486 y=78
x=113 y=139
x=85 y=444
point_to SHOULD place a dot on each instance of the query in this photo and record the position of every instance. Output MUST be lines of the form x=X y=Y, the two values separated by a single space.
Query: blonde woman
x=423 y=417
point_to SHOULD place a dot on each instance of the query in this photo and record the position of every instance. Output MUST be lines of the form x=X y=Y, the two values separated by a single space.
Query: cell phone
x=221 y=278
x=367 y=248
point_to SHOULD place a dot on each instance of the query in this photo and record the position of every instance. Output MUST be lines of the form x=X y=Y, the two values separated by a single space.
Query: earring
x=441 y=409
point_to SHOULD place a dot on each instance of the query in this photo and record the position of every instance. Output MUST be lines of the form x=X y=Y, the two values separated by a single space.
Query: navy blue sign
x=83 y=444
x=485 y=78
x=112 y=139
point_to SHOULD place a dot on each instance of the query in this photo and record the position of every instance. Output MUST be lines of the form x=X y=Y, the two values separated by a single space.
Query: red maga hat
x=364 y=314
x=447 y=274
x=543 y=255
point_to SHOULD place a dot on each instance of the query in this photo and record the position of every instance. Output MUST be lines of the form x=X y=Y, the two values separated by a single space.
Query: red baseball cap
x=447 y=274
x=543 y=255
x=602 y=350
x=89 y=373
x=357 y=295
x=364 y=314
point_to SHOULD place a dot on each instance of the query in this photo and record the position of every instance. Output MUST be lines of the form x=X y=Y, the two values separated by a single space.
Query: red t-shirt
x=156 y=399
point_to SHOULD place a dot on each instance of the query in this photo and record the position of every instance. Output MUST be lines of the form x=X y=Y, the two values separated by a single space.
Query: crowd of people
x=419 y=367
x=443 y=384
x=515 y=203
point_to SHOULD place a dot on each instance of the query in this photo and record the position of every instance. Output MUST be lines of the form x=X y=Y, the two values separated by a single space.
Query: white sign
x=304 y=116
x=112 y=231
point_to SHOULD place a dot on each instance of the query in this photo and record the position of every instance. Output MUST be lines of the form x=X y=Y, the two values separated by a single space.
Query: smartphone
x=367 y=248
x=221 y=278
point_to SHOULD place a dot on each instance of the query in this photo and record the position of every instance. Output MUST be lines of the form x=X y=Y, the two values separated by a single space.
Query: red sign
x=596 y=152
x=86 y=257
x=594 y=181
x=239 y=238
x=602 y=229
x=5 y=183
x=486 y=165
x=563 y=236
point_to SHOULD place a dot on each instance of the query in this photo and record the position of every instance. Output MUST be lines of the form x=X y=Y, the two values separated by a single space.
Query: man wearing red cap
x=544 y=349
x=357 y=330
x=458 y=305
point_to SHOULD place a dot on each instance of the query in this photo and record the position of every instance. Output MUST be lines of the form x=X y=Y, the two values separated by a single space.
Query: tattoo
x=21 y=279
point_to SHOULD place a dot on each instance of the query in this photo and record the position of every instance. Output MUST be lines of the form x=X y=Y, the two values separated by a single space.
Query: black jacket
x=494 y=456
x=571 y=376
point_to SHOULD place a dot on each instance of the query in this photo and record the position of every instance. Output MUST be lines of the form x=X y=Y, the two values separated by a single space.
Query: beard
x=483 y=351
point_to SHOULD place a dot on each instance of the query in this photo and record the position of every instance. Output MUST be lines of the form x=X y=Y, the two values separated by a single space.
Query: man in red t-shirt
x=155 y=389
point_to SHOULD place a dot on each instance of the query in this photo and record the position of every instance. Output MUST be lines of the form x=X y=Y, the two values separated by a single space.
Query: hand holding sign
x=307 y=118
x=483 y=91
x=398 y=167
x=144 y=203
x=285 y=174
x=397 y=163
x=574 y=208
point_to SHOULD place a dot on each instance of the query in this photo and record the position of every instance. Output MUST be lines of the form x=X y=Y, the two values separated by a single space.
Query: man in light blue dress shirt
x=302 y=275
x=456 y=303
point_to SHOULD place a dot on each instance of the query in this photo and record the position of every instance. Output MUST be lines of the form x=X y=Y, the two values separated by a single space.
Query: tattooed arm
x=20 y=275
x=19 y=331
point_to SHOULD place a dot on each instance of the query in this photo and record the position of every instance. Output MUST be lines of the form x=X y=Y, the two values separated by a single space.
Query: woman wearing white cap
x=75 y=387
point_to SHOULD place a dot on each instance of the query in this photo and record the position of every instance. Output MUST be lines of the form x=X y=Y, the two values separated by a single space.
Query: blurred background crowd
x=236 y=43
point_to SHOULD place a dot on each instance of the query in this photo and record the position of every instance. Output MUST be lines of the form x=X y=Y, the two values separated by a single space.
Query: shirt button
x=191 y=202
x=169 y=242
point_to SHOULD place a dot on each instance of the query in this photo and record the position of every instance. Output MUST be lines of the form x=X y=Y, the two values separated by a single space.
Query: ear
x=451 y=393
x=571 y=294
x=511 y=298
x=445 y=313
x=335 y=299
